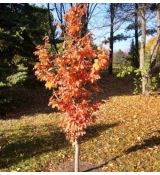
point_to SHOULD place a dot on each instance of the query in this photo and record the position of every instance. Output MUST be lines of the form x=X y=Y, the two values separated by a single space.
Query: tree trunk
x=136 y=38
x=111 y=39
x=142 y=51
x=155 y=63
x=77 y=153
x=84 y=21
x=52 y=28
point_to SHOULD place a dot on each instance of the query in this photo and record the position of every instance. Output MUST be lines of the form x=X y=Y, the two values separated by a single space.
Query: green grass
x=126 y=136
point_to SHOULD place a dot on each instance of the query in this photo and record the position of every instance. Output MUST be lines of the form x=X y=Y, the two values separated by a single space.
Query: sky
x=99 y=26
x=100 y=19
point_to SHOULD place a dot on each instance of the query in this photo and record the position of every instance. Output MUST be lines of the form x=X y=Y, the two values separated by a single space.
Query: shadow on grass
x=29 y=101
x=95 y=130
x=91 y=132
x=146 y=143
x=27 y=143
x=102 y=165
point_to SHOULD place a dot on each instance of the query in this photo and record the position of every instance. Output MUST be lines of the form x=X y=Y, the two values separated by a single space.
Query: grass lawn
x=126 y=136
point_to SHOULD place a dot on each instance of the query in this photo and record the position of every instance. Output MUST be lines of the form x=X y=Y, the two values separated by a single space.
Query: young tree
x=73 y=75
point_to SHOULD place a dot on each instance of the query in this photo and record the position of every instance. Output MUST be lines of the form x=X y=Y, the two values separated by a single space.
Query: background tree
x=134 y=24
x=154 y=54
x=118 y=16
x=112 y=16
x=120 y=57
x=145 y=78
x=21 y=28
x=133 y=54
x=136 y=58
x=146 y=59
x=136 y=62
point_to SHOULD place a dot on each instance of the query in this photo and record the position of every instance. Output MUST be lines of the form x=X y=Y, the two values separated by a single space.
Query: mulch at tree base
x=68 y=166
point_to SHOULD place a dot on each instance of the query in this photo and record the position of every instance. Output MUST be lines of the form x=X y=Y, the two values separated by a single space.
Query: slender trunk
x=71 y=4
x=142 y=51
x=77 y=153
x=52 y=28
x=136 y=61
x=111 y=39
x=84 y=21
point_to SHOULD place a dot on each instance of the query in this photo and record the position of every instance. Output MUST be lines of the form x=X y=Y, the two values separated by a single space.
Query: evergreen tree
x=133 y=55
x=22 y=27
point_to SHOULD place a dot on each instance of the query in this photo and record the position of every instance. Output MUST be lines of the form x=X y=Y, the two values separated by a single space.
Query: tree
x=142 y=8
x=148 y=60
x=133 y=54
x=155 y=60
x=117 y=16
x=72 y=75
x=120 y=57
x=155 y=64
x=136 y=58
x=112 y=16
x=53 y=28
x=21 y=28
x=135 y=25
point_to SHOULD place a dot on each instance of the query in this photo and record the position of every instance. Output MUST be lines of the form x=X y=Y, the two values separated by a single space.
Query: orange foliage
x=73 y=74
